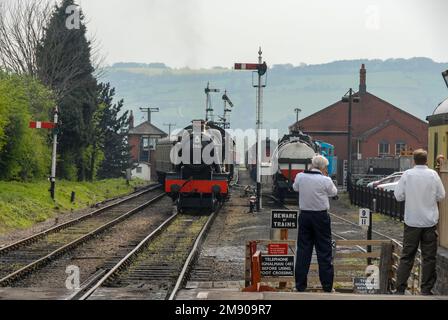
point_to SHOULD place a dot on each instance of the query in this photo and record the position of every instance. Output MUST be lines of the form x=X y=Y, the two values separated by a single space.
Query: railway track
x=23 y=257
x=157 y=267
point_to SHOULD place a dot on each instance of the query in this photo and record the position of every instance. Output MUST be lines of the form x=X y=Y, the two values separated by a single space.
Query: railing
x=385 y=201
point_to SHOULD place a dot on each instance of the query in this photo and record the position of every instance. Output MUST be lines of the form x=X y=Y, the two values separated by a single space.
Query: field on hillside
x=415 y=85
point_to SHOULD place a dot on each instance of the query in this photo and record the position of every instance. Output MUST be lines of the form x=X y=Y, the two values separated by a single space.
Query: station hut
x=143 y=140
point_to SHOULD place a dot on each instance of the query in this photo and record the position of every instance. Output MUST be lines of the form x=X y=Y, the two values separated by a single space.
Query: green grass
x=24 y=204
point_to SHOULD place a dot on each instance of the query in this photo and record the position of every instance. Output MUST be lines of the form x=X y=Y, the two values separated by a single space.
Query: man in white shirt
x=421 y=188
x=314 y=188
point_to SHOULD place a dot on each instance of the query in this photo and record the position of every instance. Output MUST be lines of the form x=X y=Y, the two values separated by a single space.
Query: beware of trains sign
x=284 y=219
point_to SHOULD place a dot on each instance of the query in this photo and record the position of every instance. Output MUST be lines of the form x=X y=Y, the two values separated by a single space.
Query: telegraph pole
x=53 y=156
x=169 y=125
x=349 y=163
x=149 y=111
x=350 y=98
x=297 y=111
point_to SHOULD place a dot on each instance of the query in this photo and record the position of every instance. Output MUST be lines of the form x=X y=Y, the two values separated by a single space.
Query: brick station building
x=142 y=140
x=379 y=129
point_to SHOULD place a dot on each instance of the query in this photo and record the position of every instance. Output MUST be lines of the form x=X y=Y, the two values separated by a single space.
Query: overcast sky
x=206 y=33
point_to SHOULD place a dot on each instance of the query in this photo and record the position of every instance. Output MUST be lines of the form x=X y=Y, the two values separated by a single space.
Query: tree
x=24 y=153
x=22 y=25
x=112 y=132
x=64 y=64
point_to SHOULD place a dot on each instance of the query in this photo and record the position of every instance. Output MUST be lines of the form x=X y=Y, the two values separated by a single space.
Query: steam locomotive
x=197 y=165
x=293 y=155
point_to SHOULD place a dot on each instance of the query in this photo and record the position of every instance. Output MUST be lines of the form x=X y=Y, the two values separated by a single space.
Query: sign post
x=364 y=217
x=50 y=125
x=283 y=220
x=365 y=221
x=261 y=68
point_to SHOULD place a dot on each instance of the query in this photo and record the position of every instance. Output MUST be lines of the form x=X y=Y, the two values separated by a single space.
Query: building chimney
x=362 y=80
x=131 y=120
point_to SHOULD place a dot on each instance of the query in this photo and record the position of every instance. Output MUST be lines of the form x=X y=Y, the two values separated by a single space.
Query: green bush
x=24 y=153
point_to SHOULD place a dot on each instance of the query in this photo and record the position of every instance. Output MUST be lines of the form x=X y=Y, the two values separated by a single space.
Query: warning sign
x=362 y=285
x=284 y=219
x=278 y=248
x=364 y=217
x=277 y=266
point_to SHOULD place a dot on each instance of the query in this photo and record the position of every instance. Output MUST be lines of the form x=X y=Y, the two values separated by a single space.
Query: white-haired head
x=319 y=162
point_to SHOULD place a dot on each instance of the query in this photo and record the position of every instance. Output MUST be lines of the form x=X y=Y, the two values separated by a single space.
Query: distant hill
x=415 y=85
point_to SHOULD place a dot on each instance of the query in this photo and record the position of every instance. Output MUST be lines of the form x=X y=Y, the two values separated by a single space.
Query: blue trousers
x=314 y=231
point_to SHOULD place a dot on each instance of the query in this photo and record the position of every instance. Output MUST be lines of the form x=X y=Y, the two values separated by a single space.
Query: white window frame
x=400 y=143
x=379 y=149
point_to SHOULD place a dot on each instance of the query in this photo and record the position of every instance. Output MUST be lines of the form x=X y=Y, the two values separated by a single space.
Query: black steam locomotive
x=196 y=165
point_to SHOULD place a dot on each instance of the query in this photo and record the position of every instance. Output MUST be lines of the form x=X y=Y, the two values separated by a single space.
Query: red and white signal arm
x=42 y=125
x=246 y=66
x=261 y=68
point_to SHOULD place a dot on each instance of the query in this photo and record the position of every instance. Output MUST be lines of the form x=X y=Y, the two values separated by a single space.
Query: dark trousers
x=412 y=238
x=314 y=231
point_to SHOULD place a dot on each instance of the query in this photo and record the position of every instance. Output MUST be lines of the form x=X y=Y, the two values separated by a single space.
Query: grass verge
x=24 y=204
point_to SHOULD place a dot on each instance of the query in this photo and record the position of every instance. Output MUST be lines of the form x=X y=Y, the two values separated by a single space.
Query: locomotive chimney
x=362 y=80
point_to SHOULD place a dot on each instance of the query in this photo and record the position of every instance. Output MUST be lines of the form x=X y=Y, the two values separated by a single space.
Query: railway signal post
x=208 y=103
x=53 y=156
x=261 y=69
x=50 y=125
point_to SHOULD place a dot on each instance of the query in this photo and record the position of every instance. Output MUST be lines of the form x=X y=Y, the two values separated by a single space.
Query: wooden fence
x=350 y=261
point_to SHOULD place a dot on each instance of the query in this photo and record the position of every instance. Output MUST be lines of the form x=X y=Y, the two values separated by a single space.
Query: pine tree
x=64 y=65
x=113 y=129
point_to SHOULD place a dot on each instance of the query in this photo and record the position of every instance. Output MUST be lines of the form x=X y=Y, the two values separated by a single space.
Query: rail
x=178 y=273
x=57 y=228
x=35 y=264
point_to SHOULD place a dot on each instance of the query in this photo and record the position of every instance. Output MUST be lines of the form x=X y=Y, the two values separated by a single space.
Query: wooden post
x=283 y=236
x=247 y=266
x=386 y=262
x=256 y=276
